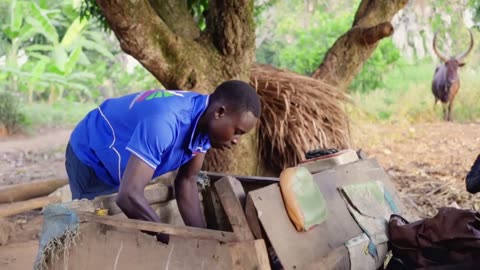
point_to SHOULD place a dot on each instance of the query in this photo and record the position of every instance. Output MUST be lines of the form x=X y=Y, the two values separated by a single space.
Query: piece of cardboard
x=299 y=249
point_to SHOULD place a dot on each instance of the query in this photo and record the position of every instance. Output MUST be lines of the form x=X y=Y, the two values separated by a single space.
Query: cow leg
x=445 y=111
x=449 y=110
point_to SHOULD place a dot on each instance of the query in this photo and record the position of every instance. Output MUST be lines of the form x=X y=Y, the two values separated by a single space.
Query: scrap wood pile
x=329 y=212
x=254 y=223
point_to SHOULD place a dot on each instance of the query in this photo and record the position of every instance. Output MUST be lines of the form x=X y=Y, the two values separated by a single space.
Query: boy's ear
x=220 y=112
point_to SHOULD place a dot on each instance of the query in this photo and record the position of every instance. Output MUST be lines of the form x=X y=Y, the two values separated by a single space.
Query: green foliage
x=301 y=38
x=60 y=113
x=371 y=76
x=299 y=42
x=90 y=10
x=10 y=115
x=58 y=63
x=474 y=7
x=197 y=9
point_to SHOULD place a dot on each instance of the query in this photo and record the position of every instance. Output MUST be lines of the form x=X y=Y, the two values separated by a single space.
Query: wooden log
x=232 y=196
x=34 y=189
x=181 y=231
x=15 y=208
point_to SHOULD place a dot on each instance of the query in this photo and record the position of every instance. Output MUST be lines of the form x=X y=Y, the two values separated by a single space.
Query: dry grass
x=299 y=114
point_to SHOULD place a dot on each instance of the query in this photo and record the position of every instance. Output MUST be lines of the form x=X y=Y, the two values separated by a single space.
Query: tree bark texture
x=163 y=36
x=346 y=57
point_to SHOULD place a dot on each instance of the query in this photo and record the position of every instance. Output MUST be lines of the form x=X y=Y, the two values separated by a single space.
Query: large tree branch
x=374 y=12
x=230 y=23
x=346 y=57
x=146 y=37
x=175 y=14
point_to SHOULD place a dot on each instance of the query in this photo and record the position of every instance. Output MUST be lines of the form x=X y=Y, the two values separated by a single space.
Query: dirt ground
x=427 y=163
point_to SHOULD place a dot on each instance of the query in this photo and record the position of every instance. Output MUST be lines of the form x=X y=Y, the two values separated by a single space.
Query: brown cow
x=446 y=82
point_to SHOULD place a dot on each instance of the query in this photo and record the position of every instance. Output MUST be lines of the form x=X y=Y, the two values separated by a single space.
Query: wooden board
x=156 y=193
x=181 y=231
x=167 y=211
x=252 y=218
x=249 y=183
x=232 y=196
x=215 y=215
x=100 y=248
x=298 y=249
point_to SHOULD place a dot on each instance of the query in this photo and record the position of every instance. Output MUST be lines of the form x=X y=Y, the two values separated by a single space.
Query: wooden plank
x=156 y=193
x=231 y=194
x=214 y=213
x=252 y=218
x=217 y=176
x=181 y=231
x=15 y=208
x=249 y=255
x=34 y=189
x=297 y=249
x=249 y=183
x=109 y=248
x=167 y=211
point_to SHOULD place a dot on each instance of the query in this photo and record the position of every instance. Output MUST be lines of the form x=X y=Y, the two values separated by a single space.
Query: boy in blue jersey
x=127 y=141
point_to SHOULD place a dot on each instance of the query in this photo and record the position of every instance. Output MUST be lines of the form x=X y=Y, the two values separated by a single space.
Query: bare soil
x=427 y=163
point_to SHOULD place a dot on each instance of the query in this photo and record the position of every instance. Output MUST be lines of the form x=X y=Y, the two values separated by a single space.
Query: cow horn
x=461 y=57
x=435 y=49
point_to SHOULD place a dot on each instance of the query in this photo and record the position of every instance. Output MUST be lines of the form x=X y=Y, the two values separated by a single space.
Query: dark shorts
x=83 y=181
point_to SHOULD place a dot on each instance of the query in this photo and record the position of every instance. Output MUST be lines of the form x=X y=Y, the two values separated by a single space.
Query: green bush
x=10 y=116
x=300 y=41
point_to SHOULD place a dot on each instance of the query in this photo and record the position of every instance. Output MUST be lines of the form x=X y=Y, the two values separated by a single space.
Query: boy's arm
x=131 y=198
x=186 y=192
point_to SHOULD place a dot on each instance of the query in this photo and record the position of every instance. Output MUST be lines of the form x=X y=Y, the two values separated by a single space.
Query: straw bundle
x=299 y=114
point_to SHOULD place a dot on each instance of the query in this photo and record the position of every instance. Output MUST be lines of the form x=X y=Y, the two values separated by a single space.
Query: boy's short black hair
x=238 y=96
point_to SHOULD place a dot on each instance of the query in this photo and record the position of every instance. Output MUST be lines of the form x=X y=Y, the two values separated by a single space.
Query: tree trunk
x=165 y=39
x=346 y=57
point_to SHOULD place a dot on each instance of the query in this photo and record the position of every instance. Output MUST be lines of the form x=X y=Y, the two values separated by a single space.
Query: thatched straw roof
x=299 y=114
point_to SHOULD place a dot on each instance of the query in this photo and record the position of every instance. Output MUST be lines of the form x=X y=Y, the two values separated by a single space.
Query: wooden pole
x=232 y=196
x=15 y=208
x=34 y=189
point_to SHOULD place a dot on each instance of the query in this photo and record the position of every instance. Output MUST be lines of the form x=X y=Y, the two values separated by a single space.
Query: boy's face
x=226 y=128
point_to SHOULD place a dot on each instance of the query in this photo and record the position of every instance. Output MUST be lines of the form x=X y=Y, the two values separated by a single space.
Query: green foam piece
x=310 y=198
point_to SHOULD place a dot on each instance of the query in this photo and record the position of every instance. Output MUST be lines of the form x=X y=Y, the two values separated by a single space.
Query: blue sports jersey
x=158 y=126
